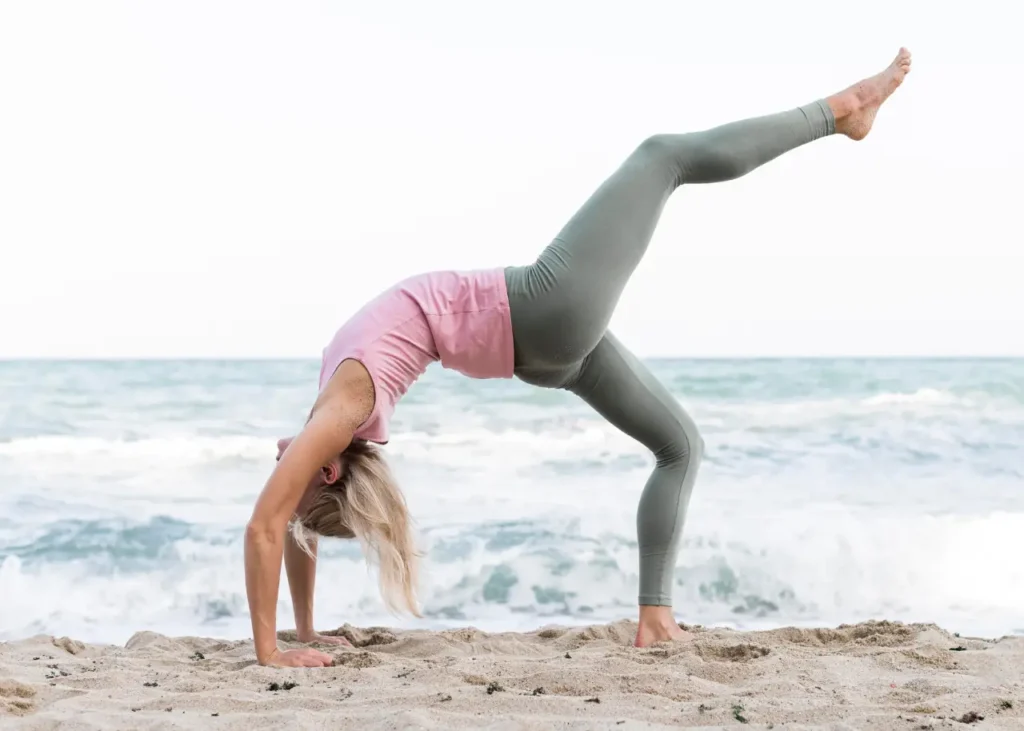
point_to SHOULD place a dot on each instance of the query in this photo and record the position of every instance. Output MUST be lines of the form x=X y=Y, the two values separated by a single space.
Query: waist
x=476 y=338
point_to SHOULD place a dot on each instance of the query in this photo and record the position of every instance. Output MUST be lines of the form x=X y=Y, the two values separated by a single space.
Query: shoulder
x=349 y=392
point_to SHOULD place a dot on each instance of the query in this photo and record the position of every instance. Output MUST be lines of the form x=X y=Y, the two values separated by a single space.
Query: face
x=327 y=475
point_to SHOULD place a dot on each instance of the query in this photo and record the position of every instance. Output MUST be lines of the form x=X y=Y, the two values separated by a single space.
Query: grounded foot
x=658 y=625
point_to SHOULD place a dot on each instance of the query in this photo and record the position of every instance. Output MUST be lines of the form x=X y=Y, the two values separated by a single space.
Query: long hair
x=366 y=503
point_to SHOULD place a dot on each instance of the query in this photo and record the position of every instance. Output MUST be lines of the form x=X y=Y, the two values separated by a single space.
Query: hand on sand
x=316 y=637
x=304 y=658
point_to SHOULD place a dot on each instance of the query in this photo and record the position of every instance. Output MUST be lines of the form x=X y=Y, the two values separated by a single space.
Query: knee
x=668 y=152
x=695 y=157
x=661 y=147
x=685 y=450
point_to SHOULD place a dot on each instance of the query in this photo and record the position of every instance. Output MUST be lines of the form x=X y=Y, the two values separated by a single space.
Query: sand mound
x=873 y=675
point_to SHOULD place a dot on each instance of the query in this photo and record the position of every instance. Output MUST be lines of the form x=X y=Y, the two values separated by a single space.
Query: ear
x=331 y=471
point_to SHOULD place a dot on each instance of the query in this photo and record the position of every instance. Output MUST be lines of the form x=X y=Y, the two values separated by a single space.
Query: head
x=355 y=496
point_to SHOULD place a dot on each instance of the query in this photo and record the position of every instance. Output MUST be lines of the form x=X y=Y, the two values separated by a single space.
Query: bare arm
x=301 y=570
x=328 y=432
x=300 y=567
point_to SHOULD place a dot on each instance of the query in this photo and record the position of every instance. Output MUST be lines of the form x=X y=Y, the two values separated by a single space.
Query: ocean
x=832 y=491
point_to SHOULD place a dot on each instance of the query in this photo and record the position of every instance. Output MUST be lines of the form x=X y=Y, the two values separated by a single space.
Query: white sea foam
x=840 y=504
x=825 y=565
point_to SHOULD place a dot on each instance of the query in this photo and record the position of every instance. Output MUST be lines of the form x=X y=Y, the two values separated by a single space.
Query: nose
x=282 y=444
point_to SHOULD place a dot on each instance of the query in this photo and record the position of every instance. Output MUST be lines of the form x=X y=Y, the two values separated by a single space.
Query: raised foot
x=855 y=108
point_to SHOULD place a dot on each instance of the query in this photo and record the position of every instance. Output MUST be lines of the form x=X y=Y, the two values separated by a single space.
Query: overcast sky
x=236 y=178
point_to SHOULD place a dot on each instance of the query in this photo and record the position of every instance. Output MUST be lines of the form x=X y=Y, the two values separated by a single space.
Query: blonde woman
x=546 y=324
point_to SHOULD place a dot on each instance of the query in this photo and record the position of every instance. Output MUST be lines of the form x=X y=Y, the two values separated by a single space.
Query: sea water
x=831 y=491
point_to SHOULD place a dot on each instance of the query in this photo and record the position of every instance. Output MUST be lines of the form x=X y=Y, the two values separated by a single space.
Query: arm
x=328 y=432
x=301 y=571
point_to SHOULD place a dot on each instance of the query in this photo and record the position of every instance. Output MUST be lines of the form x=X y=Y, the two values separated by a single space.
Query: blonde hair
x=366 y=503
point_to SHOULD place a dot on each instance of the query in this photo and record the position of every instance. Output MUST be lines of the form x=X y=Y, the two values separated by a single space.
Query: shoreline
x=875 y=674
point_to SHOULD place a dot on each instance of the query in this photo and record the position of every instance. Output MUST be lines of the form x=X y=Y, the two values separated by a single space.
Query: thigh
x=562 y=303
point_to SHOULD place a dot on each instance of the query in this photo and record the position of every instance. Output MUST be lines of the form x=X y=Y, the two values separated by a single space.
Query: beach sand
x=875 y=675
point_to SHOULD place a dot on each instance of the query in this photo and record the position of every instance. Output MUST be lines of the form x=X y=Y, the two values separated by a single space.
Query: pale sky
x=235 y=178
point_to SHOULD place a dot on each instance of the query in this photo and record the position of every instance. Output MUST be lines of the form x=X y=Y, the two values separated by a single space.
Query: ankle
x=843 y=105
x=657 y=617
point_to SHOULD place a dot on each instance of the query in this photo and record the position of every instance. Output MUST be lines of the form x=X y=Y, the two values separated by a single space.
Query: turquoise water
x=832 y=490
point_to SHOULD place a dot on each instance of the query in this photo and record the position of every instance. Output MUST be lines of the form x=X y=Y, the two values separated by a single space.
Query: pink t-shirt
x=458 y=318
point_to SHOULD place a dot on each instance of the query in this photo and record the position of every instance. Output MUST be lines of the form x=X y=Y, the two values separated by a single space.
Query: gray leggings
x=562 y=303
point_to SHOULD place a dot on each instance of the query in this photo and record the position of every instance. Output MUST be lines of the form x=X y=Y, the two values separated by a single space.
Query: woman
x=546 y=324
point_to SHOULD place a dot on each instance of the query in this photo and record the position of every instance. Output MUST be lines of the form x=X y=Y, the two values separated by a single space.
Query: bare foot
x=657 y=625
x=856 y=107
x=646 y=636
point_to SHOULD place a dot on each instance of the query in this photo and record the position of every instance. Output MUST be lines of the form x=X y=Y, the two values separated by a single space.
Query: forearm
x=301 y=570
x=263 y=554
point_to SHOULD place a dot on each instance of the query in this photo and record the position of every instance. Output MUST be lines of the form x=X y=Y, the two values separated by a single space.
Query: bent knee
x=696 y=157
x=660 y=144
x=667 y=152
x=685 y=449
x=660 y=147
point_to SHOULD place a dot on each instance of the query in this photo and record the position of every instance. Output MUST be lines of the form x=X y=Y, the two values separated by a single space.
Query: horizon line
x=313 y=358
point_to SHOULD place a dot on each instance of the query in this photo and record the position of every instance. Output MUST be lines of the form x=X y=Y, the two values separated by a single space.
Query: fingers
x=315 y=662
x=316 y=659
x=302 y=659
x=322 y=660
x=308 y=661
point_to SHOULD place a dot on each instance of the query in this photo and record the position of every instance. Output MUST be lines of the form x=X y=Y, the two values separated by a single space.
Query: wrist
x=265 y=654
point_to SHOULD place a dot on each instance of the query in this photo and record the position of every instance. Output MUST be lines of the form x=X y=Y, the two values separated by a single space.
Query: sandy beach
x=877 y=675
